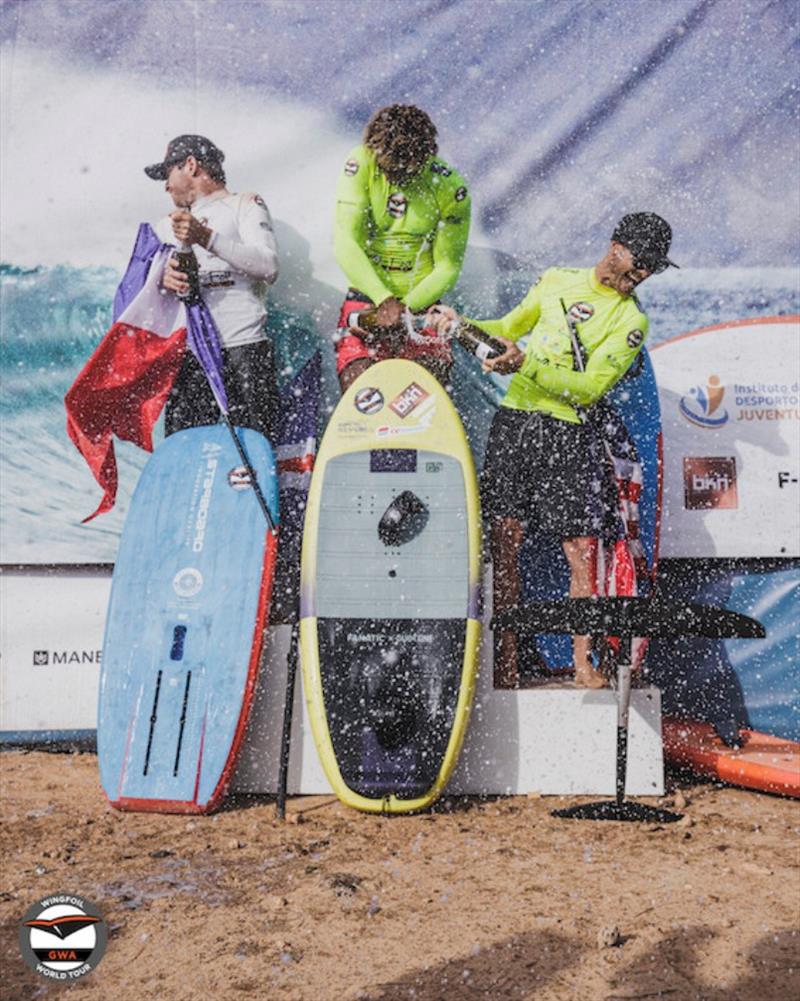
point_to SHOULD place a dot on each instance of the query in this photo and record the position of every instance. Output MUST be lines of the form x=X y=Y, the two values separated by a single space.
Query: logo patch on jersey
x=397 y=204
x=351 y=168
x=461 y=194
x=634 y=338
x=580 y=312
x=260 y=202
x=217 y=279
x=439 y=168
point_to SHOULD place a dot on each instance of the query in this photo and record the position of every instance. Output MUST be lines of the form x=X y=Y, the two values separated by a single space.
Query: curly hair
x=402 y=133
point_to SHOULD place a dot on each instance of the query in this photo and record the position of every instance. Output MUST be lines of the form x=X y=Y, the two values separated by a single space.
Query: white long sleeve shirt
x=240 y=262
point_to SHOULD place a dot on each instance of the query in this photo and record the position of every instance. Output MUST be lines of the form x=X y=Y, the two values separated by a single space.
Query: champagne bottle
x=364 y=324
x=362 y=319
x=470 y=337
x=476 y=341
x=186 y=260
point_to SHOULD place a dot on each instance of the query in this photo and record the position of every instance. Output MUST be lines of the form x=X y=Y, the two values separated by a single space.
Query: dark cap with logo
x=648 y=237
x=202 y=149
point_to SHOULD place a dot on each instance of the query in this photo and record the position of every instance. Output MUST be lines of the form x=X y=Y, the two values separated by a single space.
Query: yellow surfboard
x=389 y=627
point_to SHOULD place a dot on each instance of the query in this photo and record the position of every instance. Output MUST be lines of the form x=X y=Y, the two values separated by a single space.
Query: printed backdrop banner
x=730 y=406
x=561 y=123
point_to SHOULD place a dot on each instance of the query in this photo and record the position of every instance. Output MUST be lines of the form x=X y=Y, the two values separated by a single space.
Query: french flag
x=124 y=385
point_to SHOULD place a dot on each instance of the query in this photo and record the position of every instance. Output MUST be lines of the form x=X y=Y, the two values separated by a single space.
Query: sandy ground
x=479 y=899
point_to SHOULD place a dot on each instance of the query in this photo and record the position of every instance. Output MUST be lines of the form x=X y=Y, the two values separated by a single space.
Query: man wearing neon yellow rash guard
x=543 y=462
x=402 y=221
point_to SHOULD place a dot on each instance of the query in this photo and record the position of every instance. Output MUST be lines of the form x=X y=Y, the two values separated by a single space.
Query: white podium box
x=552 y=739
x=51 y=638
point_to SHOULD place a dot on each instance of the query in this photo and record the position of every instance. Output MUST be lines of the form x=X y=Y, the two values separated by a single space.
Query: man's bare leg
x=506 y=538
x=581 y=554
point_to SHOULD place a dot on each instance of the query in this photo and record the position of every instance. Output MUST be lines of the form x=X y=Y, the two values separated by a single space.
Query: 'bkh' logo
x=410 y=398
x=709 y=483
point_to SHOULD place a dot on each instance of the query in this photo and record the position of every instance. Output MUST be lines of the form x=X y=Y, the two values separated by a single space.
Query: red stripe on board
x=156 y=805
x=265 y=594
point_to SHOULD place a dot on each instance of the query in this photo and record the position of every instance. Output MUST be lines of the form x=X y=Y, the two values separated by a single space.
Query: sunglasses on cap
x=646 y=262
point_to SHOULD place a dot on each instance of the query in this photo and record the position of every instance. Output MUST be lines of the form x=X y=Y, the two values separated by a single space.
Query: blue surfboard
x=544 y=567
x=188 y=608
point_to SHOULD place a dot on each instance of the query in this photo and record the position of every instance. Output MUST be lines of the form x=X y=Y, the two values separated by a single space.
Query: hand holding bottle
x=443 y=319
x=174 y=279
x=509 y=360
x=188 y=229
x=447 y=323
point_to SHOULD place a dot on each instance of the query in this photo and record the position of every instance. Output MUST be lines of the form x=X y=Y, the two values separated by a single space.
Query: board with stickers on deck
x=389 y=628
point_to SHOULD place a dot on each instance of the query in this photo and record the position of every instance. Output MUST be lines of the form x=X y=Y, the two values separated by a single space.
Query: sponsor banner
x=51 y=641
x=730 y=406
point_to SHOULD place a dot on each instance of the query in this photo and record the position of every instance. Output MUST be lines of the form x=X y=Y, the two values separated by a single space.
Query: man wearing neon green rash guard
x=544 y=460
x=402 y=222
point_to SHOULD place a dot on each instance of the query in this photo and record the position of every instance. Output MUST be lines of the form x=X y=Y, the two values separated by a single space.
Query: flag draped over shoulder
x=125 y=383
x=123 y=387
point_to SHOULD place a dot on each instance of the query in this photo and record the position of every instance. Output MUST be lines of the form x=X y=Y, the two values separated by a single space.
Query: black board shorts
x=248 y=372
x=546 y=472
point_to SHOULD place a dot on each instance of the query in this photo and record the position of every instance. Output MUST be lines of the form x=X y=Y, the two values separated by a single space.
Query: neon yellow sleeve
x=449 y=245
x=520 y=320
x=606 y=366
x=350 y=227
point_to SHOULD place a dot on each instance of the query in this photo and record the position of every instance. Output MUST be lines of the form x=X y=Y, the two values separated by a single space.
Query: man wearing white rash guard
x=237 y=258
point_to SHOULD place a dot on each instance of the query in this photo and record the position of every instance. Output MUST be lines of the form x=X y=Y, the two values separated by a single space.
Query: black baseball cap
x=199 y=147
x=648 y=237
